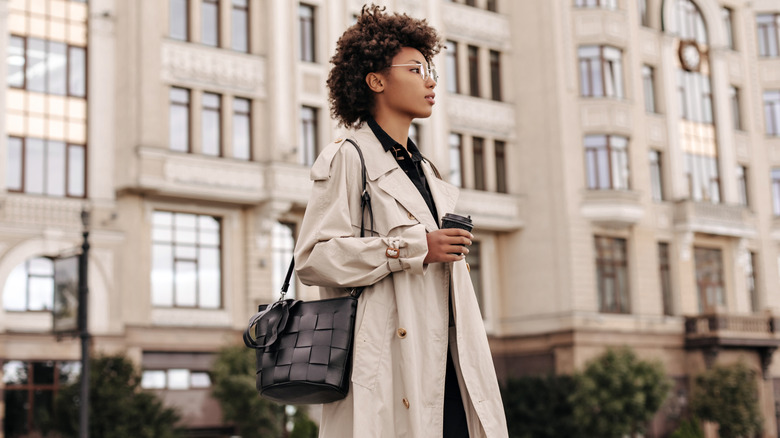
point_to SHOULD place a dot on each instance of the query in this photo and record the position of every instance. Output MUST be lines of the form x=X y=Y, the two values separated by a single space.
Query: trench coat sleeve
x=329 y=251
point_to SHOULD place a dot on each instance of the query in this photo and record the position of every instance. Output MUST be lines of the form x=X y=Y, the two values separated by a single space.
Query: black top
x=408 y=159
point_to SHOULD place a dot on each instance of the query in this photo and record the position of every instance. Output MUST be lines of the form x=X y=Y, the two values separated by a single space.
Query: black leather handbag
x=304 y=348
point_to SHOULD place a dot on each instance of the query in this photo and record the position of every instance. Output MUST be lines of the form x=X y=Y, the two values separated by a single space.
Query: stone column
x=676 y=157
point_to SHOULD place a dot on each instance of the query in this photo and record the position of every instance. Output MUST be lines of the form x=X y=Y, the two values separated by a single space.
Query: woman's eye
x=415 y=70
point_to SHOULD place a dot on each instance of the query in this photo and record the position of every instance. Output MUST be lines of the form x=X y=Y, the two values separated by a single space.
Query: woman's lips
x=431 y=98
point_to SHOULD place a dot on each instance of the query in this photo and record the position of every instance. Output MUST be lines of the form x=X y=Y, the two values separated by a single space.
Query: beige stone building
x=620 y=159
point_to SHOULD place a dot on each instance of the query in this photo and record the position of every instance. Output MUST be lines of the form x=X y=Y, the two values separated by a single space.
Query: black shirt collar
x=389 y=144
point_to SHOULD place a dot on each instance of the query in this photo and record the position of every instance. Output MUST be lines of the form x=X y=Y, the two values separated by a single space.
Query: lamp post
x=83 y=329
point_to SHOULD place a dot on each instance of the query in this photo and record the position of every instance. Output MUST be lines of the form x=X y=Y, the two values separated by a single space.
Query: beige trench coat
x=402 y=330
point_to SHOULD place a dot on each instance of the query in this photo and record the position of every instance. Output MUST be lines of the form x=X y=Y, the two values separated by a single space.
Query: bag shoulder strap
x=365 y=203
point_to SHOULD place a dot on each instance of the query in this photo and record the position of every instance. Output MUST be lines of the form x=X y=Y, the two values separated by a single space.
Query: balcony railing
x=722 y=330
x=718 y=219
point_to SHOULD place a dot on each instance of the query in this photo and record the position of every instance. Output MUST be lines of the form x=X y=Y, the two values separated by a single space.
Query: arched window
x=30 y=287
x=695 y=99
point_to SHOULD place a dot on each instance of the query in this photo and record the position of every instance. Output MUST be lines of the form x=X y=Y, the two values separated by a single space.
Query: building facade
x=620 y=159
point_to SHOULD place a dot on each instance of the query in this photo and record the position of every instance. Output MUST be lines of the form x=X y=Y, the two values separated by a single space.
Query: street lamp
x=83 y=329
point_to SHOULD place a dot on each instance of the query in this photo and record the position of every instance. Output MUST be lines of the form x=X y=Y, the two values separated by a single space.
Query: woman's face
x=406 y=93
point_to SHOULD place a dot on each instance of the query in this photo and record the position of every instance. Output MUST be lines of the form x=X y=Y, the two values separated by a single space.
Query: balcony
x=715 y=331
x=481 y=115
x=491 y=211
x=601 y=25
x=612 y=208
x=717 y=219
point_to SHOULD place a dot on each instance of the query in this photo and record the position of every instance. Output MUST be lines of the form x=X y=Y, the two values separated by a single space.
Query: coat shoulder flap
x=321 y=170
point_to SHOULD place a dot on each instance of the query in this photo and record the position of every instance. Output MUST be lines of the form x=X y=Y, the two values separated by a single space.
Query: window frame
x=736 y=113
x=605 y=63
x=245 y=10
x=608 y=267
x=309 y=149
x=648 y=86
x=727 y=14
x=173 y=243
x=66 y=169
x=248 y=114
x=451 y=149
x=28 y=276
x=495 y=75
x=499 y=152
x=772 y=112
x=592 y=154
x=665 y=278
x=743 y=188
x=473 y=62
x=706 y=255
x=656 y=175
x=478 y=153
x=775 y=178
x=768 y=35
x=185 y=13
x=67 y=69
x=211 y=110
x=451 y=64
x=187 y=106
x=217 y=23
x=307 y=42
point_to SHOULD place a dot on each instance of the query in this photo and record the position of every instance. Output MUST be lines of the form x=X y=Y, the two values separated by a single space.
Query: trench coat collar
x=397 y=184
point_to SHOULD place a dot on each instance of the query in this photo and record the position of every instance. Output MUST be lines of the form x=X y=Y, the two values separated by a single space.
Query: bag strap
x=365 y=203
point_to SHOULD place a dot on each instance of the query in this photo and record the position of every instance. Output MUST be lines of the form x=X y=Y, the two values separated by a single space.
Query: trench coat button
x=401 y=333
x=406 y=403
x=468 y=268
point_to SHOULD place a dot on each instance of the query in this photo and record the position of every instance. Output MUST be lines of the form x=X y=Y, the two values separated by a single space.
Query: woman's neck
x=396 y=127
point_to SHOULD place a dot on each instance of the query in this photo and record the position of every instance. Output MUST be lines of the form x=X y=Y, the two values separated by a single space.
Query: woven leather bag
x=304 y=348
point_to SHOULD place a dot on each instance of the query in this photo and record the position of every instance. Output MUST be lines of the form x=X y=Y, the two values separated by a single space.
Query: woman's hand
x=445 y=245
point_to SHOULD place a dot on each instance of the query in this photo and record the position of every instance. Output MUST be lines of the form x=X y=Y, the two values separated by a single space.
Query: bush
x=618 y=394
x=539 y=407
x=688 y=429
x=117 y=406
x=728 y=395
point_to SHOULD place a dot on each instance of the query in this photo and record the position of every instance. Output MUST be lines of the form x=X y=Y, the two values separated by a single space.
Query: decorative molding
x=190 y=317
x=770 y=71
x=656 y=130
x=473 y=24
x=601 y=25
x=211 y=175
x=483 y=115
x=187 y=63
x=41 y=210
x=490 y=210
x=607 y=115
x=612 y=208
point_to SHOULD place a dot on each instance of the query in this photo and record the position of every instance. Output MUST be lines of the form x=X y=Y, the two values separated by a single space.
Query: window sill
x=612 y=208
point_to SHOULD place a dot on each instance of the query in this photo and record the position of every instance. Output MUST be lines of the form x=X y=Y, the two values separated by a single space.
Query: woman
x=421 y=364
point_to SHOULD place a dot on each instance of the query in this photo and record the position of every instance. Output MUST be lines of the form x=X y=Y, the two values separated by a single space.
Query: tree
x=118 y=408
x=539 y=407
x=728 y=395
x=254 y=417
x=618 y=394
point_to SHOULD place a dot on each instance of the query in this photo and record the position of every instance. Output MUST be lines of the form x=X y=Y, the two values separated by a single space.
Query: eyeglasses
x=425 y=71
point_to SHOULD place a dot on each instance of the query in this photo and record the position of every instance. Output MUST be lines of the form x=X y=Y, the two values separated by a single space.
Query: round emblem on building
x=690 y=55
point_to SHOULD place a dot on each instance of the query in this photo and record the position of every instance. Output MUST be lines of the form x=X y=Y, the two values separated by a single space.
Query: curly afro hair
x=369 y=46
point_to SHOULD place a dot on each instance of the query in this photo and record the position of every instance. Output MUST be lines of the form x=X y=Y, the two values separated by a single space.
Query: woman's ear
x=375 y=82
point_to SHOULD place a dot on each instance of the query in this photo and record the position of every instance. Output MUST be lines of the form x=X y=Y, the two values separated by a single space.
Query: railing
x=740 y=325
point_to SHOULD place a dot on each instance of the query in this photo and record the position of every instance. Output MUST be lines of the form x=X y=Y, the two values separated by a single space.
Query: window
x=456 y=163
x=709 y=279
x=46 y=66
x=474 y=259
x=242 y=129
x=473 y=52
x=612 y=275
x=648 y=83
x=736 y=114
x=696 y=97
x=644 y=17
x=606 y=159
x=688 y=22
x=30 y=286
x=46 y=167
x=478 y=146
x=451 y=63
x=776 y=190
x=29 y=393
x=239 y=39
x=210 y=124
x=703 y=180
x=750 y=277
x=768 y=34
x=179 y=114
x=178 y=20
x=209 y=22
x=495 y=75
x=186 y=260
x=16 y=62
x=306 y=23
x=728 y=23
x=492 y=5
x=309 y=147
x=601 y=71
x=772 y=112
x=500 y=153
x=656 y=176
x=607 y=4
x=175 y=379
x=282 y=246
x=742 y=186
x=665 y=277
